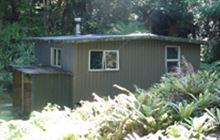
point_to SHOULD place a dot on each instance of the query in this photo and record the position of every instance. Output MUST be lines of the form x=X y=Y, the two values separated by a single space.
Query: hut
x=71 y=68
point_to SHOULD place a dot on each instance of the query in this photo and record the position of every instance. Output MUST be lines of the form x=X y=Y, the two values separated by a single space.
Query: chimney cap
x=77 y=19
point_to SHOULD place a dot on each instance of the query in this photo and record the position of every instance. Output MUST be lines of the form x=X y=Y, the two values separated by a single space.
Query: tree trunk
x=46 y=15
x=14 y=10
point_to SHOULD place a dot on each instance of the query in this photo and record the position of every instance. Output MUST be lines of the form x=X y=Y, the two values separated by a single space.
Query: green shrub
x=195 y=129
x=215 y=114
x=184 y=111
x=212 y=67
x=154 y=108
x=101 y=119
x=172 y=109
x=195 y=83
x=13 y=50
x=198 y=87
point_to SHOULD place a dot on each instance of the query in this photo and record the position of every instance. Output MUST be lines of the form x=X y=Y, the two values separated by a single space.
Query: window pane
x=172 y=66
x=54 y=57
x=96 y=59
x=59 y=57
x=172 y=53
x=111 y=60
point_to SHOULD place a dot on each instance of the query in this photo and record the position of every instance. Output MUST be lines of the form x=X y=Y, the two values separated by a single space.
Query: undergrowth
x=179 y=107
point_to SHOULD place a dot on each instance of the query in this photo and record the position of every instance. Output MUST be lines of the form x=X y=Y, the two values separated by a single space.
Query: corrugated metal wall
x=42 y=54
x=142 y=63
x=53 y=88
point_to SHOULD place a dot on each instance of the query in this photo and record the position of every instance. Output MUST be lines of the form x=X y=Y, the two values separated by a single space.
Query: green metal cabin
x=97 y=62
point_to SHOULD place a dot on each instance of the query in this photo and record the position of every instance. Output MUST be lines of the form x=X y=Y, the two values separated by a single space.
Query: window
x=55 y=57
x=103 y=60
x=172 y=59
x=96 y=60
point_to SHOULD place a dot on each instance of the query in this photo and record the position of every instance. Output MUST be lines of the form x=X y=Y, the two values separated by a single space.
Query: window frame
x=103 y=60
x=57 y=57
x=172 y=60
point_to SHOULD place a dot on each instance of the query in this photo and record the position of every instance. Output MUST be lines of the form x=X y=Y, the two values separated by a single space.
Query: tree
x=104 y=13
x=12 y=50
x=207 y=19
x=166 y=17
x=123 y=28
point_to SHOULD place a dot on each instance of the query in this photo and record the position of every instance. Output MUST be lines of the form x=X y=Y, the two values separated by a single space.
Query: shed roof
x=34 y=70
x=92 y=38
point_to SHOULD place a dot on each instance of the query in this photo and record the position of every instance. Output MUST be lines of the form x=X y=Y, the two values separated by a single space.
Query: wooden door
x=16 y=89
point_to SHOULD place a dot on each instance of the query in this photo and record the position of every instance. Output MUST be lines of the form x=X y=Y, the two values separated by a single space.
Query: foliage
x=211 y=51
x=105 y=119
x=206 y=18
x=167 y=17
x=189 y=95
x=184 y=111
x=215 y=113
x=196 y=129
x=101 y=119
x=154 y=109
x=12 y=49
x=176 y=88
x=131 y=27
x=1 y=89
x=213 y=67
x=106 y=13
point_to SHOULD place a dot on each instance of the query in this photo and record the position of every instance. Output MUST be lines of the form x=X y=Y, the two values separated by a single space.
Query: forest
x=182 y=107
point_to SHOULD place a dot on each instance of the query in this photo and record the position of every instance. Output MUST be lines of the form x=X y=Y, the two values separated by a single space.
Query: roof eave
x=47 y=70
x=161 y=38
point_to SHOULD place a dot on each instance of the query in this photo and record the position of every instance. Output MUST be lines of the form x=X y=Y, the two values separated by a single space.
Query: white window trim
x=172 y=60
x=52 y=57
x=103 y=61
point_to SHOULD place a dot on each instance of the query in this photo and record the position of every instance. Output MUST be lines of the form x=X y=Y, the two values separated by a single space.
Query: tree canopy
x=182 y=18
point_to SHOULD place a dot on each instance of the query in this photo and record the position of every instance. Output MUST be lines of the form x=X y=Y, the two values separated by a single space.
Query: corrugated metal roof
x=33 y=70
x=92 y=37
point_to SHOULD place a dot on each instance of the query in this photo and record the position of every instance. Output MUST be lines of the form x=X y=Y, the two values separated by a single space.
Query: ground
x=6 y=108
